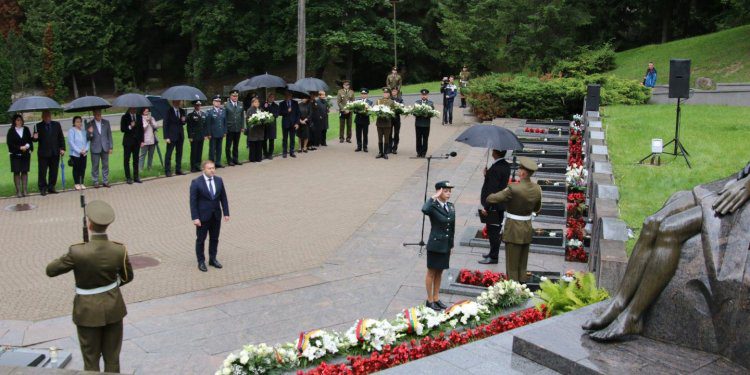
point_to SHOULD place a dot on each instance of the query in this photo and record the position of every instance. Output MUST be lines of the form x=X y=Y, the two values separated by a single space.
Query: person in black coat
x=174 y=135
x=131 y=126
x=269 y=133
x=362 y=123
x=208 y=203
x=49 y=135
x=289 y=112
x=495 y=180
x=396 y=122
x=20 y=145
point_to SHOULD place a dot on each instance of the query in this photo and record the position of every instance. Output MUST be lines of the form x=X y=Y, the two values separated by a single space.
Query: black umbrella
x=131 y=101
x=183 y=92
x=297 y=91
x=491 y=137
x=263 y=81
x=87 y=103
x=312 y=84
x=159 y=106
x=33 y=104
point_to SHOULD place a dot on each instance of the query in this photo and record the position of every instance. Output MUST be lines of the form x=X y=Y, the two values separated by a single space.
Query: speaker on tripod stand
x=679 y=88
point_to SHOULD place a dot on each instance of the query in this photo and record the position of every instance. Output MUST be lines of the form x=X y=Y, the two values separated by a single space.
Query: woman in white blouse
x=149 y=139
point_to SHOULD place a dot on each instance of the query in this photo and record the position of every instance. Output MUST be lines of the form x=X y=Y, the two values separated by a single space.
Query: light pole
x=395 y=49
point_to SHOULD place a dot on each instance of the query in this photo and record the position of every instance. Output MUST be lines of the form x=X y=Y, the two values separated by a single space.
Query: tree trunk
x=301 y=30
x=349 y=63
x=75 y=85
x=93 y=85
x=195 y=69
x=666 y=18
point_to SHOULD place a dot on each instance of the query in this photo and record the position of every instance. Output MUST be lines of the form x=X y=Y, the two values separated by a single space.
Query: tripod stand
x=679 y=149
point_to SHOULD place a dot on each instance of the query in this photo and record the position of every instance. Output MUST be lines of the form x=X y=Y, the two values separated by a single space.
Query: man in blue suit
x=208 y=203
x=216 y=126
x=289 y=112
x=174 y=135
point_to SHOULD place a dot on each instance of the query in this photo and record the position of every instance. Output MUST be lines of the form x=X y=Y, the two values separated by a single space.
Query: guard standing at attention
x=197 y=133
x=394 y=80
x=383 y=125
x=345 y=96
x=100 y=267
x=235 y=115
x=521 y=200
x=442 y=216
x=422 y=124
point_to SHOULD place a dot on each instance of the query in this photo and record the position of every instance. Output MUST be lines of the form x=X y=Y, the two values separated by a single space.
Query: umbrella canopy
x=131 y=101
x=183 y=92
x=297 y=91
x=33 y=104
x=87 y=103
x=312 y=84
x=263 y=81
x=490 y=136
x=159 y=106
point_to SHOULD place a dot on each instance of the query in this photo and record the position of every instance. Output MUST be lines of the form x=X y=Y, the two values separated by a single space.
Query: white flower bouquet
x=260 y=118
x=422 y=110
x=418 y=320
x=317 y=344
x=398 y=108
x=357 y=106
x=381 y=111
x=259 y=359
x=576 y=176
x=371 y=334
x=465 y=312
x=504 y=294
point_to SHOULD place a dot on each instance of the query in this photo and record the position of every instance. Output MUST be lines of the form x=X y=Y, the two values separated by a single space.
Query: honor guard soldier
x=345 y=96
x=196 y=129
x=422 y=124
x=235 y=115
x=383 y=125
x=362 y=122
x=393 y=80
x=442 y=216
x=100 y=267
x=463 y=81
x=521 y=200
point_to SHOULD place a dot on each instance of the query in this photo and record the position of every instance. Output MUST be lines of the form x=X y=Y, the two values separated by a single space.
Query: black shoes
x=51 y=191
x=341 y=140
x=43 y=192
x=293 y=155
x=215 y=263
x=380 y=155
x=385 y=156
x=169 y=174
x=219 y=166
x=180 y=173
x=358 y=149
x=138 y=181
x=437 y=306
x=487 y=260
x=202 y=267
x=364 y=149
x=129 y=181
x=440 y=304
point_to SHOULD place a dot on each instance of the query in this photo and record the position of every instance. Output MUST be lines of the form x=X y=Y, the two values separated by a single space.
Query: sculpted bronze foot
x=614 y=308
x=626 y=324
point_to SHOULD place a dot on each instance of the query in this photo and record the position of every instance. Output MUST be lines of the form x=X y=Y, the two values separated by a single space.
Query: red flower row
x=575 y=228
x=535 y=130
x=413 y=350
x=574 y=225
x=480 y=278
x=576 y=254
x=576 y=197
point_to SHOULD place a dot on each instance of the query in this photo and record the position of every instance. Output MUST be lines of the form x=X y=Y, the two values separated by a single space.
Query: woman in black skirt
x=20 y=146
x=303 y=125
x=442 y=216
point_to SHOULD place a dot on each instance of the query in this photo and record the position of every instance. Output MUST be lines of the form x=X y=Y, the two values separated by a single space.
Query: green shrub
x=6 y=87
x=498 y=95
x=564 y=296
x=587 y=61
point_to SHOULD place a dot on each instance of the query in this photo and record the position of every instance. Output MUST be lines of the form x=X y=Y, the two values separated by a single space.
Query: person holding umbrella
x=289 y=111
x=79 y=148
x=442 y=216
x=302 y=128
x=20 y=145
x=51 y=141
x=132 y=141
x=174 y=135
x=495 y=180
x=100 y=135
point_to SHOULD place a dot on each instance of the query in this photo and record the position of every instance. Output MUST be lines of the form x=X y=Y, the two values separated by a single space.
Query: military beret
x=424 y=91
x=527 y=164
x=233 y=92
x=364 y=91
x=217 y=97
x=100 y=213
x=444 y=185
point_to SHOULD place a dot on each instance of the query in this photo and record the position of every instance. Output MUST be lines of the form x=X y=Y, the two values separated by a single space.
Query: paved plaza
x=314 y=242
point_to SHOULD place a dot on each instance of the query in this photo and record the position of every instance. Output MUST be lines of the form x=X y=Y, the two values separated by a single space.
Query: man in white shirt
x=208 y=203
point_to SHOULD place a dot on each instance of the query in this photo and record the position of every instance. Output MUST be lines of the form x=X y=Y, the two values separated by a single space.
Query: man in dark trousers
x=196 y=129
x=100 y=268
x=131 y=126
x=362 y=123
x=174 y=135
x=216 y=126
x=51 y=141
x=422 y=125
x=269 y=130
x=289 y=112
x=495 y=180
x=235 y=114
x=208 y=203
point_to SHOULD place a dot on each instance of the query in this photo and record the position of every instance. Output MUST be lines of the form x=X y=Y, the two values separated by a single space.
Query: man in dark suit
x=269 y=130
x=362 y=123
x=495 y=180
x=131 y=126
x=51 y=141
x=289 y=112
x=422 y=125
x=208 y=200
x=216 y=126
x=174 y=135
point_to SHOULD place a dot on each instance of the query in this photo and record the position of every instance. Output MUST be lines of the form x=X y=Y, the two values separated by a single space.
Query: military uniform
x=463 y=79
x=196 y=129
x=383 y=125
x=362 y=124
x=422 y=127
x=442 y=229
x=521 y=200
x=343 y=97
x=216 y=127
x=393 y=81
x=235 y=114
x=100 y=267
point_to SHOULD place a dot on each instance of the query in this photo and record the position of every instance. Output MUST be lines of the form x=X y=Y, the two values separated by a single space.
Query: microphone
x=452 y=154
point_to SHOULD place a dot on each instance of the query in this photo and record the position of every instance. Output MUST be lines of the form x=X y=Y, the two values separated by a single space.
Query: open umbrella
x=491 y=137
x=312 y=84
x=131 y=101
x=87 y=103
x=183 y=92
x=33 y=104
x=159 y=108
x=263 y=81
x=297 y=91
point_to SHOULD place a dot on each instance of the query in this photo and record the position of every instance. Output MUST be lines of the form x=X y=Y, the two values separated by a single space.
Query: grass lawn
x=721 y=56
x=715 y=137
x=434 y=87
x=116 y=167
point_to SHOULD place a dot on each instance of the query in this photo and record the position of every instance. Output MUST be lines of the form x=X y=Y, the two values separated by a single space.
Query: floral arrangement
x=371 y=334
x=418 y=320
x=576 y=177
x=398 y=108
x=422 y=110
x=260 y=118
x=357 y=106
x=479 y=278
x=535 y=130
x=261 y=358
x=578 y=291
x=316 y=344
x=329 y=101
x=466 y=312
x=381 y=111
x=577 y=118
x=504 y=294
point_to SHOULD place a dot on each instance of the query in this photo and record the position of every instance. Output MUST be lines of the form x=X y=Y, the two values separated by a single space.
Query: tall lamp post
x=395 y=49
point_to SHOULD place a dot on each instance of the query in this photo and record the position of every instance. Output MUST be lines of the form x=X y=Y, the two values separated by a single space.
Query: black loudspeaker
x=679 y=78
x=592 y=98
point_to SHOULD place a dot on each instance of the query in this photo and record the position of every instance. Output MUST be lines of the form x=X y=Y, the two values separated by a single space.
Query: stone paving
x=326 y=250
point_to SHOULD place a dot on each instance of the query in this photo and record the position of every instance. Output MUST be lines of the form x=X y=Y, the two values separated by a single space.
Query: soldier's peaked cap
x=444 y=185
x=100 y=212
x=527 y=164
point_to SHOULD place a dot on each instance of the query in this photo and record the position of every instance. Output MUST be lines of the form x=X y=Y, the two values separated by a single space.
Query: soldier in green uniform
x=442 y=216
x=383 y=124
x=520 y=200
x=100 y=267
x=235 y=119
x=393 y=80
x=344 y=96
x=197 y=133
x=463 y=79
